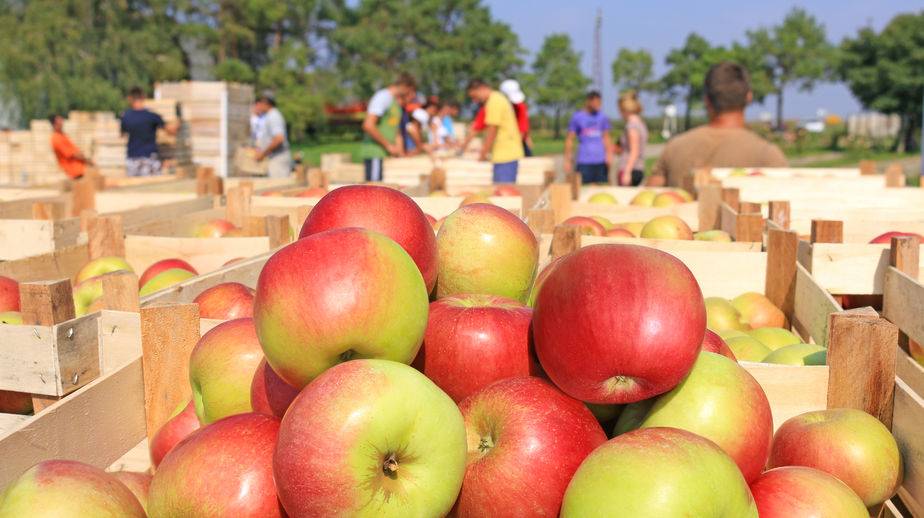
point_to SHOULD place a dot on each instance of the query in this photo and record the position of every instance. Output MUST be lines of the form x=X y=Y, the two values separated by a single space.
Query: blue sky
x=659 y=26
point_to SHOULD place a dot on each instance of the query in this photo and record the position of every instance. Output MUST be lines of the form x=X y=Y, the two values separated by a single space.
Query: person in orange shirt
x=70 y=159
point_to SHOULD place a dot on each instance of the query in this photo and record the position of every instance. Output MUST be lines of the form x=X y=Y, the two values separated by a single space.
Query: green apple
x=86 y=294
x=604 y=198
x=607 y=224
x=774 y=337
x=748 y=349
x=164 y=280
x=798 y=354
x=644 y=199
x=721 y=315
x=727 y=334
x=11 y=317
x=666 y=227
x=658 y=472
x=102 y=265
x=718 y=236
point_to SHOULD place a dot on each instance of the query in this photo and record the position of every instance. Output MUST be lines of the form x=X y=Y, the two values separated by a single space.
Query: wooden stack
x=174 y=150
x=218 y=115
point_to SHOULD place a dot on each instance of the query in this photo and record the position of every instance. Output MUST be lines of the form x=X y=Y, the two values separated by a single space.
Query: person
x=70 y=159
x=413 y=120
x=511 y=88
x=271 y=140
x=141 y=125
x=725 y=141
x=502 y=135
x=382 y=125
x=591 y=128
x=449 y=111
x=631 y=168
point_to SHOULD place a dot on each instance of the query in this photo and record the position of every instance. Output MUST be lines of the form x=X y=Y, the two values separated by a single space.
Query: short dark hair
x=475 y=83
x=136 y=92
x=727 y=85
x=405 y=79
x=267 y=98
x=593 y=94
x=53 y=116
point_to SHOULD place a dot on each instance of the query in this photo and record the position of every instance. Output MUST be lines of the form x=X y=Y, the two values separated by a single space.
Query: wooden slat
x=676 y=245
x=791 y=390
x=780 y=285
x=849 y=268
x=168 y=334
x=105 y=237
x=120 y=291
x=46 y=303
x=246 y=272
x=560 y=201
x=747 y=207
x=903 y=303
x=709 y=204
x=749 y=228
x=861 y=356
x=827 y=231
x=779 y=213
x=50 y=210
x=237 y=205
x=205 y=254
x=278 y=230
x=62 y=263
x=906 y=426
x=565 y=239
x=540 y=221
x=84 y=196
x=811 y=306
x=21 y=238
x=731 y=196
x=904 y=255
x=728 y=220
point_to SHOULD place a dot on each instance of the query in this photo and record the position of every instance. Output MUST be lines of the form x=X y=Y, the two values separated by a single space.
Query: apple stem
x=485 y=444
x=390 y=466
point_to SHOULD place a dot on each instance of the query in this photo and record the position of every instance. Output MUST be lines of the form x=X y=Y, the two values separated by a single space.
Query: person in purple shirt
x=595 y=147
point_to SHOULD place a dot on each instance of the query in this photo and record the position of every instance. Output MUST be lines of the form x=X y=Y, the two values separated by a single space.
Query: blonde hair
x=628 y=102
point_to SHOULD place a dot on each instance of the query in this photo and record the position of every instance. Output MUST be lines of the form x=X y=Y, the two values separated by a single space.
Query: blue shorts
x=373 y=169
x=593 y=173
x=506 y=172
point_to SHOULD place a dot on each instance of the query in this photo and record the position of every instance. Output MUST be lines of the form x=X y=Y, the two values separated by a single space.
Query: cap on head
x=511 y=88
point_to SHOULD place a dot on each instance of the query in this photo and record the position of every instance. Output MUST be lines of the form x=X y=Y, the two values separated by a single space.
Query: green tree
x=796 y=52
x=687 y=73
x=557 y=79
x=883 y=71
x=443 y=44
x=633 y=70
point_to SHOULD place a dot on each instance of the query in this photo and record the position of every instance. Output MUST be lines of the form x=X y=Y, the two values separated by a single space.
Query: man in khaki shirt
x=725 y=141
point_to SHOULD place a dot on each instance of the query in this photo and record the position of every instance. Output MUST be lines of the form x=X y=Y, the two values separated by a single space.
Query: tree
x=633 y=70
x=558 y=81
x=796 y=52
x=884 y=71
x=443 y=44
x=687 y=73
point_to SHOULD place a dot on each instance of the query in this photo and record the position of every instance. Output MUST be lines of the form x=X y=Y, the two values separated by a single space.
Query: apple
x=794 y=491
x=748 y=349
x=506 y=190
x=644 y=199
x=101 y=266
x=757 y=311
x=715 y=344
x=11 y=317
x=847 y=443
x=370 y=438
x=666 y=227
x=224 y=469
x=633 y=226
x=164 y=280
x=15 y=402
x=540 y=279
x=722 y=316
x=886 y=238
x=183 y=423
x=269 y=394
x=916 y=351
x=163 y=265
x=226 y=301
x=430 y=219
x=588 y=226
x=214 y=228
x=86 y=295
x=274 y=194
x=221 y=369
x=604 y=198
x=9 y=294
x=738 y=171
x=477 y=197
x=336 y=295
x=607 y=224
x=439 y=193
x=667 y=199
x=619 y=232
x=138 y=483
x=727 y=334
x=473 y=340
x=658 y=472
x=718 y=236
x=618 y=323
x=383 y=210
x=486 y=249
x=604 y=413
x=774 y=337
x=65 y=488
x=687 y=197
x=312 y=192
x=721 y=401
x=798 y=354
x=438 y=224
x=525 y=441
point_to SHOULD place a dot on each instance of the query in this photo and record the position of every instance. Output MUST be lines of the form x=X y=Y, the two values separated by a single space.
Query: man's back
x=707 y=146
x=141 y=127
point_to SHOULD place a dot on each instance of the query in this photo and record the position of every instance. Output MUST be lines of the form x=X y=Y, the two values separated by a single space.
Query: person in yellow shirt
x=502 y=133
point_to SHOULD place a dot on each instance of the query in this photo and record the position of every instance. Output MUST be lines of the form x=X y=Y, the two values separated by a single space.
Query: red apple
x=138 y=483
x=383 y=210
x=619 y=232
x=214 y=228
x=101 y=266
x=506 y=190
x=226 y=301
x=179 y=427
x=525 y=441
x=714 y=344
x=666 y=227
x=225 y=469
x=269 y=394
x=886 y=238
x=312 y=192
x=333 y=296
x=233 y=261
x=847 y=443
x=588 y=226
x=431 y=220
x=794 y=491
x=758 y=311
x=163 y=265
x=618 y=323
x=9 y=294
x=64 y=488
x=475 y=340
x=667 y=199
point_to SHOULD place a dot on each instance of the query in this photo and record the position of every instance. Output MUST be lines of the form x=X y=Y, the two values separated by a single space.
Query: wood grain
x=46 y=303
x=906 y=427
x=904 y=255
x=105 y=237
x=709 y=207
x=827 y=231
x=731 y=196
x=120 y=291
x=83 y=195
x=779 y=213
x=560 y=201
x=780 y=286
x=565 y=239
x=540 y=221
x=812 y=305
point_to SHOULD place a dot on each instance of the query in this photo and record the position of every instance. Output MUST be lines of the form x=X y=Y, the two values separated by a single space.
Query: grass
x=311 y=152
x=852 y=158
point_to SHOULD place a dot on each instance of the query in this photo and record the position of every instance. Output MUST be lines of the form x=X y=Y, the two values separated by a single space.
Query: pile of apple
x=351 y=393
x=660 y=227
